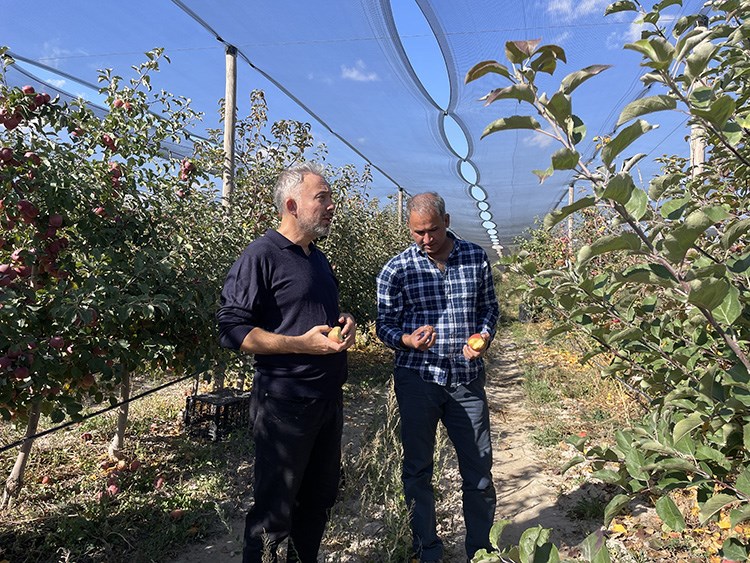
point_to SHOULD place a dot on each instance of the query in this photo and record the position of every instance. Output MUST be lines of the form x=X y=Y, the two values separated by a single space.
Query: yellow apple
x=335 y=334
x=476 y=342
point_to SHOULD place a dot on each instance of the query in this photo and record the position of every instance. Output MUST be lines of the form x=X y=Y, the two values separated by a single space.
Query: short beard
x=316 y=229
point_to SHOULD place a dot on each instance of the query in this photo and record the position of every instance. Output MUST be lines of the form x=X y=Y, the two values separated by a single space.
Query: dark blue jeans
x=464 y=413
x=297 y=472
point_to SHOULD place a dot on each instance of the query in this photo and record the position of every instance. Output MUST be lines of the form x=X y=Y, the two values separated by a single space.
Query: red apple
x=28 y=89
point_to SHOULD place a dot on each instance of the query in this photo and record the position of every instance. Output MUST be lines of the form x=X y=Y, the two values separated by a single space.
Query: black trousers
x=297 y=472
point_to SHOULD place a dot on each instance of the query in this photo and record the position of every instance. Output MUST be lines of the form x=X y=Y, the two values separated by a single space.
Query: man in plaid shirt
x=431 y=298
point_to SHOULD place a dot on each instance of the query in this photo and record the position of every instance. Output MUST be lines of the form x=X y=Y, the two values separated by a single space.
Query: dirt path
x=528 y=490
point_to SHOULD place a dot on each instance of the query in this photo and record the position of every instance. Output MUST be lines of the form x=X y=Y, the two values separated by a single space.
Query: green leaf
x=730 y=309
x=496 y=531
x=637 y=204
x=565 y=159
x=670 y=514
x=558 y=215
x=606 y=475
x=520 y=92
x=576 y=129
x=660 y=184
x=623 y=241
x=672 y=464
x=708 y=293
x=623 y=139
x=743 y=482
x=720 y=110
x=697 y=61
x=687 y=425
x=519 y=51
x=739 y=515
x=614 y=507
x=559 y=107
x=512 y=122
x=594 y=548
x=621 y=6
x=486 y=67
x=713 y=505
x=572 y=463
x=543 y=174
x=645 y=106
x=734 y=550
x=688 y=41
x=575 y=79
x=619 y=188
x=630 y=333
x=547 y=57
x=659 y=51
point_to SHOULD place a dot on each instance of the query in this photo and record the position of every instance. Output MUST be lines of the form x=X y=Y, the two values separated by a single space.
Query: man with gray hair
x=437 y=309
x=280 y=302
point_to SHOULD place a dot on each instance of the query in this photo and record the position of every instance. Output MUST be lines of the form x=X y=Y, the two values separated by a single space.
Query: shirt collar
x=456 y=241
x=282 y=242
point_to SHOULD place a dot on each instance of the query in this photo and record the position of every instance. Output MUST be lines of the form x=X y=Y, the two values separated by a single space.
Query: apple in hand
x=476 y=342
x=336 y=335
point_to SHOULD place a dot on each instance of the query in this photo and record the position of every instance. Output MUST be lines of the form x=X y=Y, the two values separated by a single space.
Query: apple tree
x=107 y=250
x=664 y=297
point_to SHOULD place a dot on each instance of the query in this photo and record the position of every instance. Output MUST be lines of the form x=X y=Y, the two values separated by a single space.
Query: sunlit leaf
x=519 y=51
x=619 y=188
x=594 y=548
x=521 y=92
x=559 y=107
x=730 y=309
x=708 y=293
x=621 y=6
x=575 y=79
x=687 y=425
x=714 y=505
x=512 y=122
x=698 y=59
x=670 y=514
x=558 y=215
x=645 y=106
x=623 y=241
x=623 y=139
x=720 y=110
x=614 y=507
x=565 y=159
x=486 y=67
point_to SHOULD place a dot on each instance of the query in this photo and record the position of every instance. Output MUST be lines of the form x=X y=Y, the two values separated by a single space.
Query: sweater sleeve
x=240 y=310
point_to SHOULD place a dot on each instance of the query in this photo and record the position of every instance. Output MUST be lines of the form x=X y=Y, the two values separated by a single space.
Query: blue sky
x=351 y=69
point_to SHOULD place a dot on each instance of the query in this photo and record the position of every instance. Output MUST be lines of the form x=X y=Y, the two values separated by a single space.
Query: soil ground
x=528 y=486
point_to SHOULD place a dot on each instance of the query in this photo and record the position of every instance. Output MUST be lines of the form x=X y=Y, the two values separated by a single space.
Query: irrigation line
x=96 y=413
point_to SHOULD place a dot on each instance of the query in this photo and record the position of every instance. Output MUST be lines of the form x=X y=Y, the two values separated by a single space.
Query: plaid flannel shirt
x=412 y=292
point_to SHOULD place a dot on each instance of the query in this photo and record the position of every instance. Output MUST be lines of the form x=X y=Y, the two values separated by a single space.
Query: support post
x=571 y=199
x=697 y=149
x=400 y=206
x=230 y=116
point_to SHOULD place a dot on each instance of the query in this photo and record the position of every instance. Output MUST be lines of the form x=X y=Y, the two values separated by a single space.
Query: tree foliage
x=664 y=298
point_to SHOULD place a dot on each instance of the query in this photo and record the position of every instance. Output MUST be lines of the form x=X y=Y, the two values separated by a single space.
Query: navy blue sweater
x=275 y=286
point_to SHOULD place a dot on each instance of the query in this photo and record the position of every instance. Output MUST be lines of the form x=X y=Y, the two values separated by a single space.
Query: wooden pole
x=230 y=117
x=571 y=199
x=400 y=206
x=697 y=149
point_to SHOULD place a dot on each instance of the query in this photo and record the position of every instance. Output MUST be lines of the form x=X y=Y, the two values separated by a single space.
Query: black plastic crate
x=212 y=415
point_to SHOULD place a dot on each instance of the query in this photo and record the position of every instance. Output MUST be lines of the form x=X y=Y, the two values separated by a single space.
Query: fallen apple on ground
x=476 y=342
x=335 y=334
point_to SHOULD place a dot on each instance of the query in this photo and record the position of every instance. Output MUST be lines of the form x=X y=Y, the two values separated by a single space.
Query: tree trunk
x=116 y=445
x=15 y=480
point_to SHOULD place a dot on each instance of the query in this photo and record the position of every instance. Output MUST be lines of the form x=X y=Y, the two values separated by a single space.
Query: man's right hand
x=316 y=341
x=421 y=339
